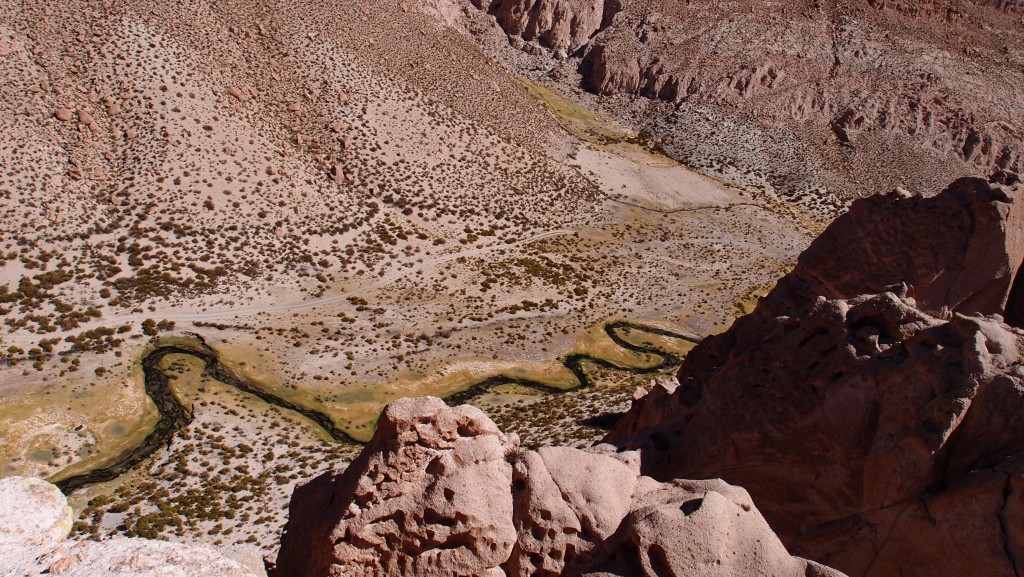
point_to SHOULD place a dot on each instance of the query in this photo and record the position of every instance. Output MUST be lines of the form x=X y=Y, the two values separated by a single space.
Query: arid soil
x=798 y=97
x=349 y=221
x=354 y=202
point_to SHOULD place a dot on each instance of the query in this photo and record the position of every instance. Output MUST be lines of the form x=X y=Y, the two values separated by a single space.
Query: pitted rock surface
x=441 y=491
x=876 y=431
x=428 y=496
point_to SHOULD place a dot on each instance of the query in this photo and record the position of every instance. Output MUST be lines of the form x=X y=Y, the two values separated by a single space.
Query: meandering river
x=173 y=415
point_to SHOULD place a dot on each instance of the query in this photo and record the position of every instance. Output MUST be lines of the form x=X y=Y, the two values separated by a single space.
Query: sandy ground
x=651 y=181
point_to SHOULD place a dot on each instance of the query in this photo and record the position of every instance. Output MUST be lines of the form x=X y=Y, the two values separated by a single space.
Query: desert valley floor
x=341 y=221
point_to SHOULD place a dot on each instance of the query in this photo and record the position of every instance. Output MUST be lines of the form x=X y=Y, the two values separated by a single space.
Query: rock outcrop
x=563 y=26
x=441 y=491
x=35 y=520
x=957 y=252
x=429 y=494
x=855 y=69
x=871 y=403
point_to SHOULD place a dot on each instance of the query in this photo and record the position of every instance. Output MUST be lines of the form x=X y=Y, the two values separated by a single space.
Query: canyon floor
x=345 y=220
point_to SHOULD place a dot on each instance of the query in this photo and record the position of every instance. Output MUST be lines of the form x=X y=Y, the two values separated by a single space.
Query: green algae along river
x=173 y=415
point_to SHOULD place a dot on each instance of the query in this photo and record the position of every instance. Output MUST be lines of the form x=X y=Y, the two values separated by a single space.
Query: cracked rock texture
x=35 y=520
x=441 y=491
x=871 y=403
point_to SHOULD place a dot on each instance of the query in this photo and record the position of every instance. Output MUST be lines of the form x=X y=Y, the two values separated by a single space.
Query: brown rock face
x=428 y=496
x=959 y=250
x=440 y=491
x=855 y=68
x=877 y=431
x=561 y=25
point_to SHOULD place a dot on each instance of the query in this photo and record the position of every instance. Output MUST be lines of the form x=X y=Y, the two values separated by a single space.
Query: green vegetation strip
x=174 y=415
x=575 y=362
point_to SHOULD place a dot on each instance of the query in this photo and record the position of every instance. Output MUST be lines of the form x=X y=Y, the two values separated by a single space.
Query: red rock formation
x=859 y=68
x=877 y=432
x=959 y=250
x=561 y=25
x=440 y=491
x=427 y=496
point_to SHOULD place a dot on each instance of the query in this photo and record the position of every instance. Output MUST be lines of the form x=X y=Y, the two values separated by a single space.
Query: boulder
x=33 y=512
x=429 y=495
x=85 y=117
x=121 y=557
x=441 y=491
x=35 y=520
x=688 y=528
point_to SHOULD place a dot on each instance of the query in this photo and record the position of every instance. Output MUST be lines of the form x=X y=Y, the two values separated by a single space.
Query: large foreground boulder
x=872 y=403
x=441 y=491
x=35 y=521
x=427 y=496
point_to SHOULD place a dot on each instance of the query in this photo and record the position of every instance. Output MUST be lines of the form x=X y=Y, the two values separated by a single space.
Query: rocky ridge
x=921 y=80
x=563 y=26
x=441 y=491
x=870 y=403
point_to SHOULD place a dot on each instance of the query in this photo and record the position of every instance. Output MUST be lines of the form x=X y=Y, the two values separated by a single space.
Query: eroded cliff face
x=867 y=74
x=563 y=26
x=937 y=74
x=871 y=402
x=441 y=491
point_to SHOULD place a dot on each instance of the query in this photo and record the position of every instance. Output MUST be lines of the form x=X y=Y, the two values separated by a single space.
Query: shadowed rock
x=561 y=25
x=958 y=251
x=866 y=404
